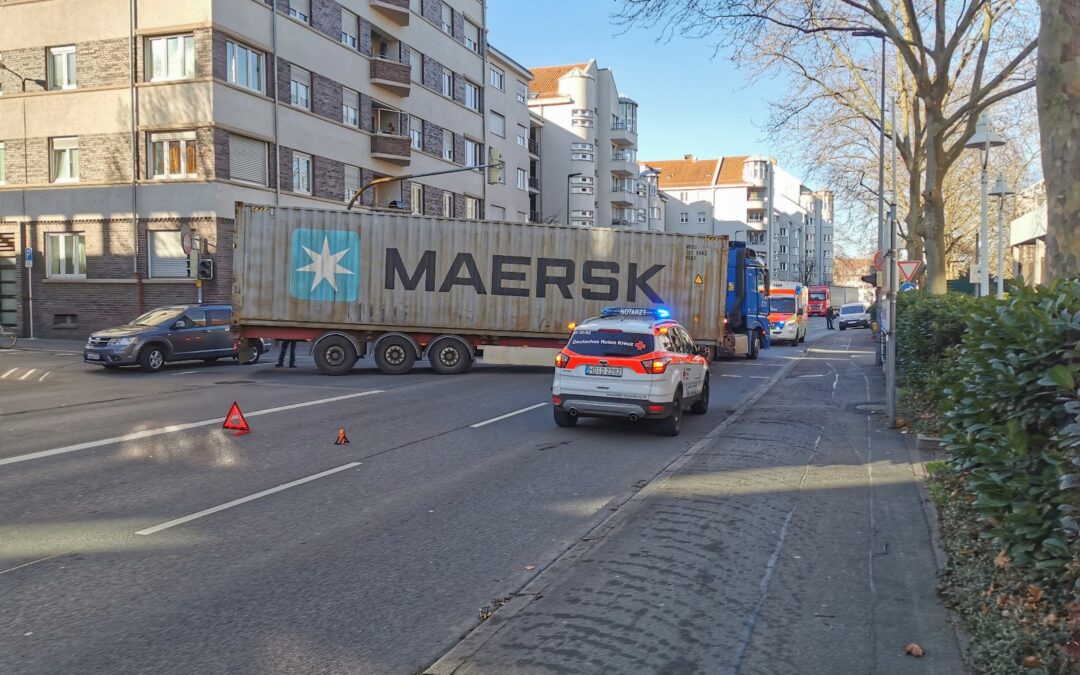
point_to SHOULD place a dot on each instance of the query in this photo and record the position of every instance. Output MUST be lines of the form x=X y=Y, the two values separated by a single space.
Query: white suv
x=854 y=314
x=631 y=363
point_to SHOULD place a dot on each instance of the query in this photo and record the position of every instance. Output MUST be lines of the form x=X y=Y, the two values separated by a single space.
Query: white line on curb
x=511 y=414
x=175 y=427
x=242 y=500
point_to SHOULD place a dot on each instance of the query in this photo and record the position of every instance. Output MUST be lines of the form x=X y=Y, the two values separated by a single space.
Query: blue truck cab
x=747 y=316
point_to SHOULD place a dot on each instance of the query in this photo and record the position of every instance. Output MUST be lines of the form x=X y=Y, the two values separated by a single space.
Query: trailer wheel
x=335 y=355
x=449 y=356
x=395 y=355
x=755 y=346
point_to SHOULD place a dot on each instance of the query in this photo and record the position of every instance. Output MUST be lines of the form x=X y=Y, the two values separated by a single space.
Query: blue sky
x=690 y=102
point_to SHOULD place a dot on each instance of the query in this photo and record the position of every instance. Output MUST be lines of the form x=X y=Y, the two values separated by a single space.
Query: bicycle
x=7 y=338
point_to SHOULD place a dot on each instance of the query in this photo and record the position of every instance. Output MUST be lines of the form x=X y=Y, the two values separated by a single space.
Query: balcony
x=534 y=216
x=623 y=163
x=395 y=10
x=391 y=74
x=624 y=132
x=391 y=148
x=534 y=184
x=622 y=195
x=534 y=147
x=755 y=204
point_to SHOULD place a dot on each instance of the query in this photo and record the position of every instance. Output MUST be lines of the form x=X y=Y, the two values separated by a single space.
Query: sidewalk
x=792 y=540
x=50 y=345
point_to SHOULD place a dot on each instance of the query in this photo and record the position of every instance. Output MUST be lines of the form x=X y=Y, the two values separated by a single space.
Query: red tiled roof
x=685 y=172
x=545 y=81
x=731 y=171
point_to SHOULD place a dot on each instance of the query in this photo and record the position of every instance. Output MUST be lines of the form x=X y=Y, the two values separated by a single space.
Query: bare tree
x=1059 y=119
x=807 y=271
x=952 y=63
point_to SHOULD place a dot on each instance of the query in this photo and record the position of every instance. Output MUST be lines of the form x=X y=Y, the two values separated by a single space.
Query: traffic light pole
x=391 y=179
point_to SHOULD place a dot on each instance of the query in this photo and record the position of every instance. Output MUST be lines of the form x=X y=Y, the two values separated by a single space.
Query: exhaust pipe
x=573 y=412
x=633 y=417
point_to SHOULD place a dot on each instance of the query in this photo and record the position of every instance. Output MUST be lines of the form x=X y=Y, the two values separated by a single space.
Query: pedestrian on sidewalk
x=291 y=346
x=830 y=314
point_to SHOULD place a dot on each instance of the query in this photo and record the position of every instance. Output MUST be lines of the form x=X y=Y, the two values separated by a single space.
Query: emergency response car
x=630 y=363
x=787 y=311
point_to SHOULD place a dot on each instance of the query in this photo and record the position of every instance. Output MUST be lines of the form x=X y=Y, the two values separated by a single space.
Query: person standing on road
x=291 y=346
x=830 y=314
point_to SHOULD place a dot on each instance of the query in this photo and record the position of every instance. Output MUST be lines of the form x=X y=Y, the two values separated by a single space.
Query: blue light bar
x=650 y=312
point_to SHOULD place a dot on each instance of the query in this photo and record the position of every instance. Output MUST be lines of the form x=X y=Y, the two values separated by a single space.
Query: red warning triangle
x=235 y=420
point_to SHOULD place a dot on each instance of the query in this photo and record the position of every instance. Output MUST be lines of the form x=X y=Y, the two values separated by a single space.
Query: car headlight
x=121 y=342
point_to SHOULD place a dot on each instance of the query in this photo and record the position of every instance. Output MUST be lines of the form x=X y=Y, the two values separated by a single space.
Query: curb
x=623 y=509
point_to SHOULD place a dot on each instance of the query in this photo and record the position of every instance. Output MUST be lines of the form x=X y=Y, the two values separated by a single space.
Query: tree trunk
x=1058 y=91
x=932 y=220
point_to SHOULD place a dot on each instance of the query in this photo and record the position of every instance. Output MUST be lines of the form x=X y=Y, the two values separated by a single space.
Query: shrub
x=1012 y=408
x=927 y=327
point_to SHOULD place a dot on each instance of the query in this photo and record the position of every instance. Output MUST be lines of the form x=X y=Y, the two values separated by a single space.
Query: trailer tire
x=395 y=355
x=335 y=355
x=755 y=346
x=449 y=356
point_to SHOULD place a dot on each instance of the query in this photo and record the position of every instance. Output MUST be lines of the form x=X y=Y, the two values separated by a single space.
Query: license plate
x=93 y=357
x=605 y=371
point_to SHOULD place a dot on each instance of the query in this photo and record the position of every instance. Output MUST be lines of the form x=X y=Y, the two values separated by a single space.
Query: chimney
x=690 y=157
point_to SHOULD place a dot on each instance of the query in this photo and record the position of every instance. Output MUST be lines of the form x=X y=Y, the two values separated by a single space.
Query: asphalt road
x=302 y=556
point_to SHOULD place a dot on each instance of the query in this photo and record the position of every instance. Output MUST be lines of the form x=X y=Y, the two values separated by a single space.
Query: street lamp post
x=984 y=139
x=569 y=177
x=736 y=235
x=1001 y=190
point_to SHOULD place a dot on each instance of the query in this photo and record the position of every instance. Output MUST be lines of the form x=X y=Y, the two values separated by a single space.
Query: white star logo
x=324 y=265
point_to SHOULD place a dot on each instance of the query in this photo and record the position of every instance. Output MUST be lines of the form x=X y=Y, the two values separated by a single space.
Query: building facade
x=752 y=199
x=124 y=124
x=509 y=130
x=589 y=172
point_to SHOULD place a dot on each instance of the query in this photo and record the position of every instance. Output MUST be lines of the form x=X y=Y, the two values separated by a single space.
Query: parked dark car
x=165 y=334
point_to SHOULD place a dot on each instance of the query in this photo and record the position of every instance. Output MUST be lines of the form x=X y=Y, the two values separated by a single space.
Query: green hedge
x=1012 y=401
x=928 y=327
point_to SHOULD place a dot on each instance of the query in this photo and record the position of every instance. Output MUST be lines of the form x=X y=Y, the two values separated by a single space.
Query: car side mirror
x=703 y=351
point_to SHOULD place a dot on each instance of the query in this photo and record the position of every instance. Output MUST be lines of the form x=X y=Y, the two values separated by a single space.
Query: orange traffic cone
x=342 y=439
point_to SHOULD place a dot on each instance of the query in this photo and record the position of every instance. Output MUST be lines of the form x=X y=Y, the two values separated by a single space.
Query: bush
x=927 y=327
x=1012 y=405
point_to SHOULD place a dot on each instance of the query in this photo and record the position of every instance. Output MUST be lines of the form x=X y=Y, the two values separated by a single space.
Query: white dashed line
x=28 y=374
x=4 y=376
x=44 y=375
x=511 y=414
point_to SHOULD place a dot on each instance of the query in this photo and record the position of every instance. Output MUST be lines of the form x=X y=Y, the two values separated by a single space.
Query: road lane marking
x=44 y=375
x=147 y=433
x=28 y=374
x=4 y=376
x=726 y=375
x=186 y=372
x=243 y=500
x=511 y=414
x=32 y=562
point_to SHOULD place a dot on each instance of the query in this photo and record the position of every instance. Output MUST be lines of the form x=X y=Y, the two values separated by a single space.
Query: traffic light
x=495 y=171
x=871 y=278
x=206 y=268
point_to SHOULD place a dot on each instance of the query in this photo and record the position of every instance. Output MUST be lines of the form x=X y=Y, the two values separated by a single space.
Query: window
x=64 y=160
x=416 y=66
x=247 y=160
x=61 y=67
x=783 y=250
x=447 y=83
x=173 y=155
x=472 y=153
x=66 y=255
x=783 y=231
x=755 y=216
x=472 y=96
x=498 y=124
x=416 y=132
x=522 y=92
x=582 y=213
x=301 y=173
x=684 y=217
x=300 y=9
x=472 y=37
x=472 y=208
x=3 y=165
x=584 y=180
x=448 y=145
x=757 y=238
x=498 y=78
x=522 y=136
x=448 y=204
x=166 y=255
x=654 y=212
x=447 y=19
x=522 y=179
x=300 y=88
x=416 y=198
x=171 y=57
x=496 y=212
x=348 y=28
x=350 y=107
x=783 y=267
x=244 y=66
x=702 y=217
x=352 y=181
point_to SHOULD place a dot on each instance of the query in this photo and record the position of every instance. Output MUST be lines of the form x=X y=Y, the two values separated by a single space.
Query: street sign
x=879 y=260
x=907 y=286
x=909 y=268
x=28 y=257
x=186 y=243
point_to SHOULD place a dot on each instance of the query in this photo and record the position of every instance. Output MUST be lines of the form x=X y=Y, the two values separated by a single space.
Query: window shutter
x=167 y=259
x=247 y=159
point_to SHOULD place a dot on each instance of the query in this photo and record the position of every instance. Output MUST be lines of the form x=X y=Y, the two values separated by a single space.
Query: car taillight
x=555 y=400
x=656 y=366
x=561 y=360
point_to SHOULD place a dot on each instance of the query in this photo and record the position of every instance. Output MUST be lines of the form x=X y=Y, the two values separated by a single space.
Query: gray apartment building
x=125 y=124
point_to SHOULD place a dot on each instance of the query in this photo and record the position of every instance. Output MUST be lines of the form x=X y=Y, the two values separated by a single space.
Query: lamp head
x=1001 y=188
x=984 y=136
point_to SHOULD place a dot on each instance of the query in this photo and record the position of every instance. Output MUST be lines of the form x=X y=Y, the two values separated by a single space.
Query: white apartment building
x=752 y=199
x=106 y=157
x=589 y=148
x=510 y=131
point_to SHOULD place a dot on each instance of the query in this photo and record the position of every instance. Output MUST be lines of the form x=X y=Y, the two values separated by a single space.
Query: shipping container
x=403 y=287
